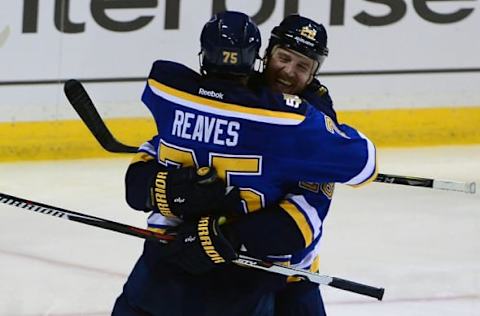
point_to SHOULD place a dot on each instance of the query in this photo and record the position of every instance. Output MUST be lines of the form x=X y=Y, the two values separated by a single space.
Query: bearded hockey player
x=260 y=142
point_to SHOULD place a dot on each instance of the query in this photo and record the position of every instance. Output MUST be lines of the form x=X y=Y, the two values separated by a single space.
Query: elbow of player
x=136 y=202
x=136 y=196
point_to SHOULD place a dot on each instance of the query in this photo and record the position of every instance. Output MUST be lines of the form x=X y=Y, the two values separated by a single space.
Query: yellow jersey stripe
x=292 y=278
x=315 y=266
x=141 y=157
x=157 y=230
x=370 y=168
x=370 y=179
x=223 y=108
x=299 y=219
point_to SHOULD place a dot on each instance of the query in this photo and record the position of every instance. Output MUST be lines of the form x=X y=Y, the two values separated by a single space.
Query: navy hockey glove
x=199 y=246
x=190 y=193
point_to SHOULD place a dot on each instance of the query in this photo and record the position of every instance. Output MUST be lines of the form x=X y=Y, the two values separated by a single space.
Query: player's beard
x=281 y=83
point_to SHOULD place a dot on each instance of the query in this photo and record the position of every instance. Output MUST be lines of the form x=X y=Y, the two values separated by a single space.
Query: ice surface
x=422 y=245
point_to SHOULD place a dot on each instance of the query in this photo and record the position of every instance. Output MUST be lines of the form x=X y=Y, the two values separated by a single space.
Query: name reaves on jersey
x=205 y=129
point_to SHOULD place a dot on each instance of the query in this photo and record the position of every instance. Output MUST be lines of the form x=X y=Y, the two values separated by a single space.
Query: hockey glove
x=190 y=193
x=199 y=246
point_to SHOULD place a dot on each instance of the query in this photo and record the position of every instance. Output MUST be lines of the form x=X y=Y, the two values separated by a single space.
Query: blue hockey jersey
x=309 y=203
x=265 y=143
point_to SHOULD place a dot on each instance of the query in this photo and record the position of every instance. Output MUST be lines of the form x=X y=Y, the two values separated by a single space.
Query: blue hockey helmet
x=302 y=35
x=230 y=43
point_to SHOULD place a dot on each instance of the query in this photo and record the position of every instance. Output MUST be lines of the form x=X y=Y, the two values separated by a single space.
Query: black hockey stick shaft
x=359 y=288
x=413 y=181
x=81 y=218
x=335 y=282
x=243 y=260
x=467 y=187
x=83 y=105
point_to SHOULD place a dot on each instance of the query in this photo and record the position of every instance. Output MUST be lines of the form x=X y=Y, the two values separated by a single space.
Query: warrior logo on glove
x=200 y=246
x=190 y=193
x=160 y=194
x=206 y=242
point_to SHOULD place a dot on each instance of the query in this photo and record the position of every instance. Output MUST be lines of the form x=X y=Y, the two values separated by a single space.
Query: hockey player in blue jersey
x=263 y=144
x=295 y=53
x=296 y=50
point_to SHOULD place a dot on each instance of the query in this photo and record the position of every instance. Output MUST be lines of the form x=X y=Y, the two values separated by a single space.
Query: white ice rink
x=422 y=245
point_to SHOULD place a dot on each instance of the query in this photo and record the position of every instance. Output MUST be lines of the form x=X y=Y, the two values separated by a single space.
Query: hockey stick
x=81 y=218
x=467 y=187
x=335 y=282
x=82 y=103
x=242 y=260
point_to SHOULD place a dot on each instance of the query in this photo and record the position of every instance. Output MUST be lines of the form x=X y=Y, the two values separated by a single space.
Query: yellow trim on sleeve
x=315 y=266
x=369 y=180
x=141 y=157
x=293 y=278
x=300 y=220
x=157 y=230
x=223 y=105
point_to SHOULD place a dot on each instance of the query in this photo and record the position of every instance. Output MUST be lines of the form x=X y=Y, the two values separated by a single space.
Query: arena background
x=406 y=73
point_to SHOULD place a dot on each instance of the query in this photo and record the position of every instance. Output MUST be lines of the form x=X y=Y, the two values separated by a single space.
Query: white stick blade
x=467 y=187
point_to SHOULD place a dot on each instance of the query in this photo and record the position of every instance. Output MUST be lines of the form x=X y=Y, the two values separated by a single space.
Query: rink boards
x=70 y=139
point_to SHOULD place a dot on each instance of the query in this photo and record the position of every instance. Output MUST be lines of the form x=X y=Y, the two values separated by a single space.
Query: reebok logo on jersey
x=211 y=93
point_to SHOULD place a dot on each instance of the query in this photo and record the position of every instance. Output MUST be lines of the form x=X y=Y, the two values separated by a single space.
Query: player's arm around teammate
x=295 y=53
x=279 y=230
x=174 y=279
x=297 y=48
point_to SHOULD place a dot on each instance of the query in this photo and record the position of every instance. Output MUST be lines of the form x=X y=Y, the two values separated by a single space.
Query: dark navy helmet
x=302 y=35
x=229 y=42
